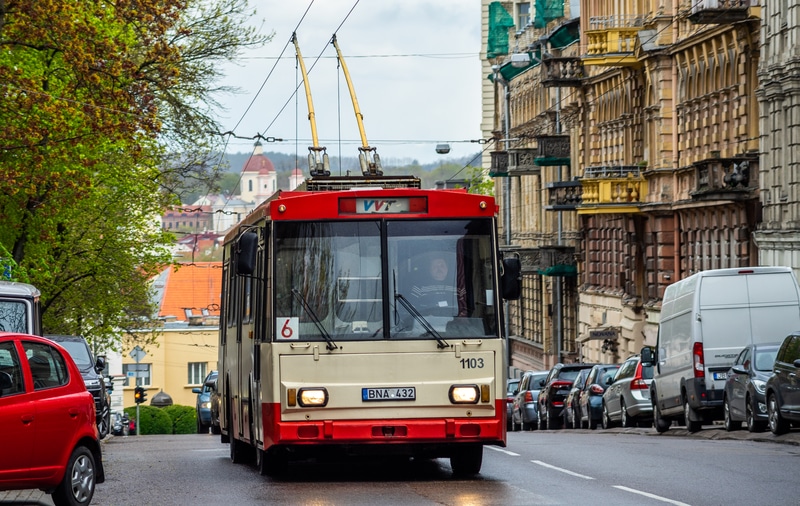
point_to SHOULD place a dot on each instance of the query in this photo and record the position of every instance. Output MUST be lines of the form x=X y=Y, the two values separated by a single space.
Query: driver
x=439 y=291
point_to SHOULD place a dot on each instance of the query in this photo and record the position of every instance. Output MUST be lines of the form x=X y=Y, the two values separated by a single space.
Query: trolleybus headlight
x=464 y=394
x=312 y=397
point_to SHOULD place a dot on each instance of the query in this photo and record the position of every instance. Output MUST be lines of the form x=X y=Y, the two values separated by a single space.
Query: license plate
x=389 y=394
x=720 y=375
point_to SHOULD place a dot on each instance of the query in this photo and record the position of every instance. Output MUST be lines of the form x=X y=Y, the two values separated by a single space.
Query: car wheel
x=753 y=425
x=592 y=422
x=607 y=423
x=201 y=427
x=688 y=414
x=623 y=415
x=777 y=424
x=727 y=422
x=542 y=420
x=661 y=424
x=576 y=419
x=104 y=423
x=552 y=422
x=77 y=485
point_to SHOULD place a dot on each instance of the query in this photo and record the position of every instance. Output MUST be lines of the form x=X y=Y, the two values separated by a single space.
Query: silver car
x=626 y=400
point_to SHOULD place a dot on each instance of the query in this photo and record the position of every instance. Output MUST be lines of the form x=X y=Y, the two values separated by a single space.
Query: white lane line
x=502 y=451
x=651 y=496
x=566 y=471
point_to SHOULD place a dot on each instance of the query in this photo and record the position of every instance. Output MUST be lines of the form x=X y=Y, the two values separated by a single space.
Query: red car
x=47 y=419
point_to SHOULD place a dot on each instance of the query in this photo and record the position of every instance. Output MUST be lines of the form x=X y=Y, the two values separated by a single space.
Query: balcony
x=607 y=190
x=522 y=162
x=499 y=164
x=724 y=178
x=563 y=195
x=562 y=71
x=705 y=12
x=552 y=150
x=611 y=40
x=557 y=261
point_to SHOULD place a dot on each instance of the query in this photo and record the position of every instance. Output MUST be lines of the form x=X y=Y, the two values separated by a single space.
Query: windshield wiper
x=421 y=319
x=331 y=345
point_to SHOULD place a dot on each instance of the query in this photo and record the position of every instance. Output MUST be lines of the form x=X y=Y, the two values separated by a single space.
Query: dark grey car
x=746 y=383
x=783 y=387
x=91 y=370
x=524 y=413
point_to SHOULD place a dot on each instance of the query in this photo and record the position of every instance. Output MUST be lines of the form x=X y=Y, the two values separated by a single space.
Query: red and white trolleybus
x=363 y=315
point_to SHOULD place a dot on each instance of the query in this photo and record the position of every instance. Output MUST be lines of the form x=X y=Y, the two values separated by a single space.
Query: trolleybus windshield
x=384 y=279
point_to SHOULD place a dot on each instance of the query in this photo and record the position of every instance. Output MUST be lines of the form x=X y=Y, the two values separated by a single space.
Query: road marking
x=502 y=451
x=566 y=471
x=651 y=496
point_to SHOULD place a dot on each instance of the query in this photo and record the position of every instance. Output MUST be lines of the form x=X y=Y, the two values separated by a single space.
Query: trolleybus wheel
x=467 y=459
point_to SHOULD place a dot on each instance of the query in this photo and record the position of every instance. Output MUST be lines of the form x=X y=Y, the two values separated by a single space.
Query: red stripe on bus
x=382 y=431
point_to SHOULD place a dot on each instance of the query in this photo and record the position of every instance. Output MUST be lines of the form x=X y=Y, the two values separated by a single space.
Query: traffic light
x=139 y=395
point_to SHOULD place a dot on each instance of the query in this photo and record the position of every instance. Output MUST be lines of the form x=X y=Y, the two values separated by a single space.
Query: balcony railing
x=522 y=162
x=562 y=71
x=611 y=40
x=552 y=150
x=723 y=11
x=563 y=195
x=619 y=189
x=499 y=165
x=725 y=178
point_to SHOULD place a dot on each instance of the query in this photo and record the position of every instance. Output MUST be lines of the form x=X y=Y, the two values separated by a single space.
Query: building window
x=197 y=372
x=250 y=185
x=141 y=372
x=524 y=16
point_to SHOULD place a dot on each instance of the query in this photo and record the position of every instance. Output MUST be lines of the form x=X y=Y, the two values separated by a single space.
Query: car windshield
x=78 y=352
x=535 y=383
x=568 y=374
x=765 y=359
x=13 y=316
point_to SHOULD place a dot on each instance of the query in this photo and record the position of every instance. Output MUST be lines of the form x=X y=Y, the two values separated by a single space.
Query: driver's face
x=438 y=269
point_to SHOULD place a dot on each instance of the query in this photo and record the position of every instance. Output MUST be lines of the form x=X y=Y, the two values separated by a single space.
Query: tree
x=106 y=109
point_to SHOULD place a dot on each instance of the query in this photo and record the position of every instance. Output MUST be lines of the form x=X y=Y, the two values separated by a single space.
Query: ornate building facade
x=656 y=104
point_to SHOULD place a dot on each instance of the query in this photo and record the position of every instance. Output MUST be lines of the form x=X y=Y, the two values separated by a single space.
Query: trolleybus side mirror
x=246 y=253
x=511 y=280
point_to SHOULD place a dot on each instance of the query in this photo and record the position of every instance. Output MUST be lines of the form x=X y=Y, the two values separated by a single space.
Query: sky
x=414 y=65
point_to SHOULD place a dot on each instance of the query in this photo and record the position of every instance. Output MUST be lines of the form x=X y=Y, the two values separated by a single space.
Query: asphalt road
x=617 y=466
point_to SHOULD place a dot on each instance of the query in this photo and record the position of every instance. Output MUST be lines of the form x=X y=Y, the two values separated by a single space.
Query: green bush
x=184 y=419
x=152 y=420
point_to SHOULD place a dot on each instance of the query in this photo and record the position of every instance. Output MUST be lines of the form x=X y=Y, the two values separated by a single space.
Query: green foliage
x=106 y=114
x=152 y=420
x=184 y=418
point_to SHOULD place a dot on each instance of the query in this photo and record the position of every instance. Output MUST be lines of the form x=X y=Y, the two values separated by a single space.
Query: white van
x=706 y=320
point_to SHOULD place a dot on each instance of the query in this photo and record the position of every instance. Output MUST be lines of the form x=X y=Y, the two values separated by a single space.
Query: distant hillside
x=429 y=173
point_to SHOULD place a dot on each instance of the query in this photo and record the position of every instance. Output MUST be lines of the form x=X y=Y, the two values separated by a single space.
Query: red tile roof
x=196 y=286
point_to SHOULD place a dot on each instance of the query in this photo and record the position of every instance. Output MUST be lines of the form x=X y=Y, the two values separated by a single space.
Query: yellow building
x=178 y=354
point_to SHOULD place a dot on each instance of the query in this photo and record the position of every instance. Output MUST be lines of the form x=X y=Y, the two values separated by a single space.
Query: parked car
x=572 y=402
x=511 y=391
x=744 y=399
x=214 y=400
x=554 y=391
x=627 y=399
x=524 y=413
x=203 y=405
x=58 y=449
x=92 y=373
x=783 y=387
x=590 y=403
x=120 y=424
